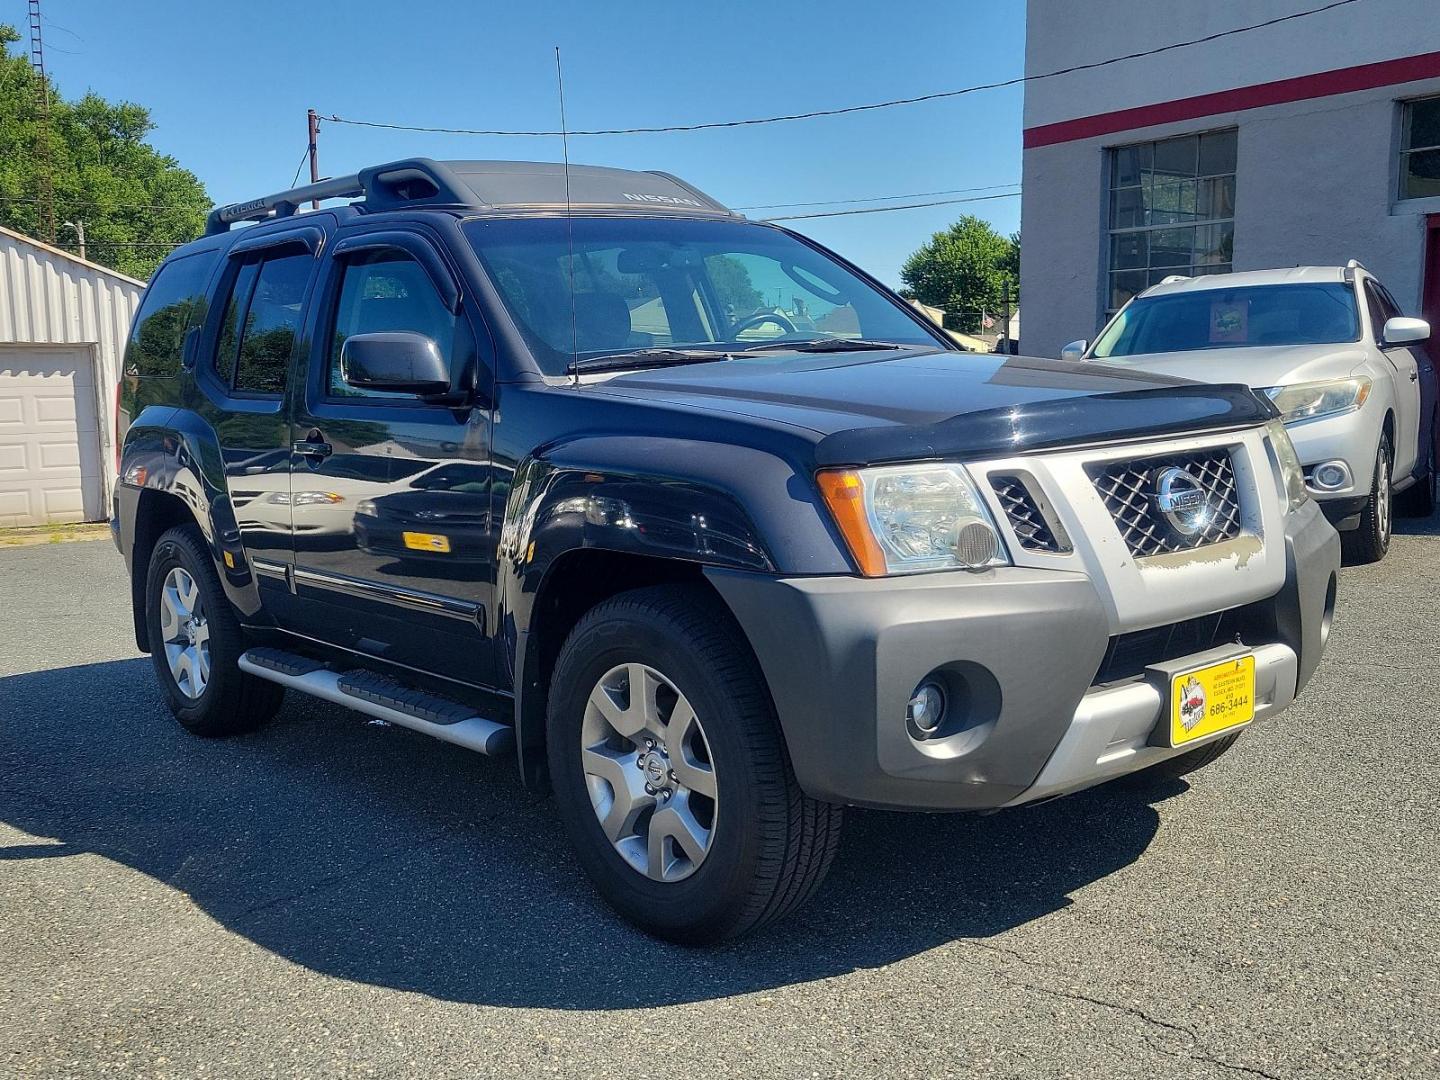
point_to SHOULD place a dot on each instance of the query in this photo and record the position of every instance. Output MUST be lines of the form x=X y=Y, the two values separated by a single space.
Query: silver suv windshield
x=671 y=284
x=1301 y=314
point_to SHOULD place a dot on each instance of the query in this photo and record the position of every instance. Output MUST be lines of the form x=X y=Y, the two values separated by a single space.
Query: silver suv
x=1328 y=344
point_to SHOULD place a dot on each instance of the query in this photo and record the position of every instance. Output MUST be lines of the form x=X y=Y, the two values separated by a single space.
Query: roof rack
x=503 y=186
x=408 y=181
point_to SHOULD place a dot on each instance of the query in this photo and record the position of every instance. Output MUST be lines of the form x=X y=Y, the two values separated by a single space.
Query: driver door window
x=387 y=290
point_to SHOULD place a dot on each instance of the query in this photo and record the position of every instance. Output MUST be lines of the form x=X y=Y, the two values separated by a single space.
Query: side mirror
x=1075 y=350
x=1401 y=331
x=396 y=360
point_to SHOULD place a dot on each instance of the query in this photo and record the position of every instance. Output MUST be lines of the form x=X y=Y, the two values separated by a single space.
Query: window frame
x=252 y=251
x=1110 y=231
x=326 y=309
x=1403 y=152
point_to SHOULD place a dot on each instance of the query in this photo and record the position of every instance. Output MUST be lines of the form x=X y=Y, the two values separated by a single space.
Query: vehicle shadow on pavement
x=373 y=854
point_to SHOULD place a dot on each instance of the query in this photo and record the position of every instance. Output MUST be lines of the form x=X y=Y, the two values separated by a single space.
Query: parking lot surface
x=334 y=897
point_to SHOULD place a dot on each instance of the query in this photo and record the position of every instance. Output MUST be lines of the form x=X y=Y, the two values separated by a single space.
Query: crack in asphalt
x=1196 y=1051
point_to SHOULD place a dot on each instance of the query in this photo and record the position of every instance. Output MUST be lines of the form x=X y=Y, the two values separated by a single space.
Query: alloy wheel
x=1383 y=498
x=649 y=773
x=186 y=632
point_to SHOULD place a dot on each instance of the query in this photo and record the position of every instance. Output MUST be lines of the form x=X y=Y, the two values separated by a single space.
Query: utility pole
x=79 y=227
x=312 y=122
x=42 y=130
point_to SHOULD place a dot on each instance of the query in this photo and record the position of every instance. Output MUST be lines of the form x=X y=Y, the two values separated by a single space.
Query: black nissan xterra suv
x=706 y=527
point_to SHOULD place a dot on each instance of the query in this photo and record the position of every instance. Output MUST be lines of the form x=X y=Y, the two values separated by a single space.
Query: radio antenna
x=569 y=221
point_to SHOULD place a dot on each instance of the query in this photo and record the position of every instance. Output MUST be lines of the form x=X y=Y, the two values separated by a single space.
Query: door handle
x=312 y=448
x=1414 y=375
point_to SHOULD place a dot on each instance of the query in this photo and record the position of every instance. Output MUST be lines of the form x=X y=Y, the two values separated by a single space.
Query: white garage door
x=50 y=468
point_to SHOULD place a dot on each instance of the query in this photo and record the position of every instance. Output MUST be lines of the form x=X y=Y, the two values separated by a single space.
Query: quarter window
x=1420 y=149
x=174 y=302
x=1172 y=211
x=387 y=290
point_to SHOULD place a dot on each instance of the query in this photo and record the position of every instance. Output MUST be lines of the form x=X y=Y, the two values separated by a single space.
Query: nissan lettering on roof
x=662 y=200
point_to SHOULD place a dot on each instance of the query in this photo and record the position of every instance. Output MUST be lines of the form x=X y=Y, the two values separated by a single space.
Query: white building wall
x=1315 y=179
x=49 y=297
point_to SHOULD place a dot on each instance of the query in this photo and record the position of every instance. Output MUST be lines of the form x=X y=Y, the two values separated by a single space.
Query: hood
x=1274 y=365
x=866 y=407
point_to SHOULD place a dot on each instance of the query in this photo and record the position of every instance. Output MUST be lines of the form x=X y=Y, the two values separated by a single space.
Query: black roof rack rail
x=384 y=187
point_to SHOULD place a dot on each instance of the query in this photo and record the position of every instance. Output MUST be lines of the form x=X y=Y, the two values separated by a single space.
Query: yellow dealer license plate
x=418 y=541
x=1212 y=699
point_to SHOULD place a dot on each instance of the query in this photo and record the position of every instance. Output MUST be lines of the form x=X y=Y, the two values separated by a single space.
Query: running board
x=358 y=691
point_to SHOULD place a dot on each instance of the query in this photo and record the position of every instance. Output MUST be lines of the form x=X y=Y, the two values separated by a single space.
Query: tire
x=1194 y=760
x=1418 y=500
x=767 y=845
x=199 y=672
x=1370 y=541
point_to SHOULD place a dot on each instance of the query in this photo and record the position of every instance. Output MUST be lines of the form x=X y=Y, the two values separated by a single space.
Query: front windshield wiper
x=827 y=345
x=644 y=358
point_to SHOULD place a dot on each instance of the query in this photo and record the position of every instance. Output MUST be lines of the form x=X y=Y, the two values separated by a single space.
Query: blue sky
x=228 y=85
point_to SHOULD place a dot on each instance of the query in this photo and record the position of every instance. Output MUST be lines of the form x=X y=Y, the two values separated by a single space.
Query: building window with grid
x=1172 y=211
x=1420 y=149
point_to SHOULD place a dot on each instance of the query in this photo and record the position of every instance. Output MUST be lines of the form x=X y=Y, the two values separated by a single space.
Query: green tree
x=965 y=270
x=134 y=202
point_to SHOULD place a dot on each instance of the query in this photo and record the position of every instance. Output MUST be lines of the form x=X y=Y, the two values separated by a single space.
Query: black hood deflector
x=1056 y=422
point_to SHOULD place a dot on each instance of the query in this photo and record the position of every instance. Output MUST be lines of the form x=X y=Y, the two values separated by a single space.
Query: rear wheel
x=196 y=642
x=1371 y=540
x=671 y=775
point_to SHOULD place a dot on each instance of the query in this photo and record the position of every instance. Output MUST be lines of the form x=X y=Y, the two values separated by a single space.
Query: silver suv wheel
x=648 y=769
x=186 y=632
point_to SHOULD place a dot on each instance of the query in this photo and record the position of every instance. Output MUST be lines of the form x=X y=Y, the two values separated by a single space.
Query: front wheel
x=196 y=642
x=671 y=774
x=1371 y=540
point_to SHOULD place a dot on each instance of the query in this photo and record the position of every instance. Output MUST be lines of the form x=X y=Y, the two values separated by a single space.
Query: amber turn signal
x=844 y=493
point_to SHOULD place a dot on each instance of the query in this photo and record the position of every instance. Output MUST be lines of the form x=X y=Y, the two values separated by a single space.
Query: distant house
x=1312 y=141
x=63 y=325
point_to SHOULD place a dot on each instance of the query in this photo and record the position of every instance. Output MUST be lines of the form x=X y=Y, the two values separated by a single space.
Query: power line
x=874 y=198
x=815 y=113
x=887 y=209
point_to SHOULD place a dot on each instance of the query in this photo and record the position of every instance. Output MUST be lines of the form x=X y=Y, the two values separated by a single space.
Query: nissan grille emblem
x=1182 y=501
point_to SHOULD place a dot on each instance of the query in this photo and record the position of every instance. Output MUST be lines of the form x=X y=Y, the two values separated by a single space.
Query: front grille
x=1031 y=528
x=1128 y=490
x=1130 y=654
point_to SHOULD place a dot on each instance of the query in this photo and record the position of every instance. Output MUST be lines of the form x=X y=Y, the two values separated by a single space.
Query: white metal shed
x=63 y=325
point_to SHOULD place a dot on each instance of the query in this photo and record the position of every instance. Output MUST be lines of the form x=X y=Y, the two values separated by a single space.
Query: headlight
x=1291 y=474
x=1306 y=401
x=899 y=519
x=304 y=498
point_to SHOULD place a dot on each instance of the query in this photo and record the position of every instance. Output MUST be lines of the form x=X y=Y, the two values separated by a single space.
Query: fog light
x=1329 y=476
x=976 y=545
x=926 y=708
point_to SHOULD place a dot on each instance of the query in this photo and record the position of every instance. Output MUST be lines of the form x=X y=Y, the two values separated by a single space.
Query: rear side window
x=174 y=302
x=261 y=320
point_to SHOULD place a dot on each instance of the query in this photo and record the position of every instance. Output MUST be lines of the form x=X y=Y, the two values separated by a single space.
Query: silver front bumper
x=1110 y=734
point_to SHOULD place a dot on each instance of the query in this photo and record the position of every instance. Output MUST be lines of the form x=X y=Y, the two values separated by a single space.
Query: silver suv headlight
x=1310 y=400
x=1292 y=475
x=901 y=519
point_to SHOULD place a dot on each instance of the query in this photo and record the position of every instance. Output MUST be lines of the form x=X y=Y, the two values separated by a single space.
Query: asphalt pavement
x=331 y=897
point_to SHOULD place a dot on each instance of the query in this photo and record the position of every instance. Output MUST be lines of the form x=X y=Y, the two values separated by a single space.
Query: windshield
x=653 y=283
x=1318 y=314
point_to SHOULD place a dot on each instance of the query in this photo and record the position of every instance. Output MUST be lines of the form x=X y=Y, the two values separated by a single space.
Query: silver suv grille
x=1031 y=527
x=1128 y=489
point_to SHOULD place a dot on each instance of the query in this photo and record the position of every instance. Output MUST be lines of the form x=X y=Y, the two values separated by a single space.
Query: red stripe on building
x=1322 y=84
